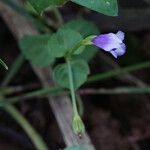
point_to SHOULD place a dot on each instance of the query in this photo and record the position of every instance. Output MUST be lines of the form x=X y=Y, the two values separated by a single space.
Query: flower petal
x=107 y=41
x=120 y=35
x=119 y=51
x=114 y=53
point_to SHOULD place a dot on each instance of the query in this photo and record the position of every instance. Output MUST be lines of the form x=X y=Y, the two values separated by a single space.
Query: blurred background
x=114 y=121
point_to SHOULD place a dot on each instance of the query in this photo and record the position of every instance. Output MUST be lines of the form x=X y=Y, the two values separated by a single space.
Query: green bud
x=78 y=125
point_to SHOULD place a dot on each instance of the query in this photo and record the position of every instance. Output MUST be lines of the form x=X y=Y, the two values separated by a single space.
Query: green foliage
x=87 y=54
x=76 y=148
x=35 y=49
x=85 y=28
x=107 y=7
x=63 y=41
x=80 y=71
x=43 y=49
x=40 y=5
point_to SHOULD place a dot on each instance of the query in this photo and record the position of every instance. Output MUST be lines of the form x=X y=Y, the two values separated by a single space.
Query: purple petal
x=119 y=51
x=114 y=53
x=107 y=41
x=120 y=35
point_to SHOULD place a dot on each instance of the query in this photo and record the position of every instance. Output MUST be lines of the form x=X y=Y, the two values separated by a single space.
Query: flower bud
x=78 y=125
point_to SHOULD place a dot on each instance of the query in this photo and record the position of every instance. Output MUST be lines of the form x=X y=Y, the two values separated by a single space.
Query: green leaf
x=40 y=5
x=107 y=7
x=85 y=28
x=76 y=148
x=80 y=71
x=63 y=41
x=87 y=54
x=36 y=50
x=3 y=64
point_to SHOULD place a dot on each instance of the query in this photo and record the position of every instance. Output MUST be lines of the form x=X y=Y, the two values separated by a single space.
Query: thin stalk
x=34 y=136
x=82 y=43
x=13 y=70
x=72 y=51
x=116 y=91
x=118 y=72
x=72 y=90
x=7 y=90
x=80 y=104
x=58 y=90
x=37 y=93
x=94 y=78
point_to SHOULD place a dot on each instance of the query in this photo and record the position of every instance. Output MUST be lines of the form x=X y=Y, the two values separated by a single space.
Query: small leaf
x=107 y=7
x=40 y=5
x=3 y=64
x=63 y=41
x=36 y=50
x=80 y=71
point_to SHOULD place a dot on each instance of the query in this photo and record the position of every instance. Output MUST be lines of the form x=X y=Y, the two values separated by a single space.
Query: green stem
x=57 y=90
x=14 y=68
x=80 y=104
x=84 y=42
x=73 y=97
x=33 y=135
x=118 y=72
x=36 y=139
x=99 y=77
x=72 y=51
x=116 y=91
x=41 y=92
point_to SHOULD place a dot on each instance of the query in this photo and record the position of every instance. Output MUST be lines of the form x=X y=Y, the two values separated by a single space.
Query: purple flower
x=112 y=43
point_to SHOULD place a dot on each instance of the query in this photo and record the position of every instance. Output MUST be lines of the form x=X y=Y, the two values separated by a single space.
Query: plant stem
x=72 y=51
x=80 y=105
x=82 y=43
x=71 y=82
x=115 y=91
x=98 y=77
x=118 y=72
x=41 y=92
x=36 y=139
x=57 y=90
x=33 y=135
x=14 y=68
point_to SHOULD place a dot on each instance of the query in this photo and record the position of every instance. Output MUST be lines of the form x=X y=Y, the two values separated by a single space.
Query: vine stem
x=14 y=69
x=34 y=136
x=72 y=90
